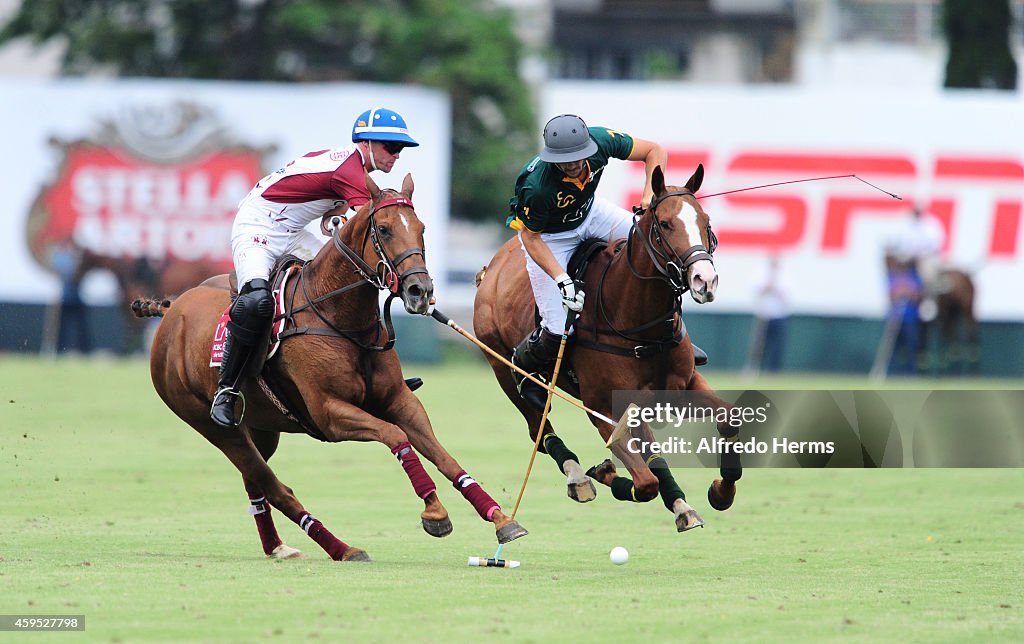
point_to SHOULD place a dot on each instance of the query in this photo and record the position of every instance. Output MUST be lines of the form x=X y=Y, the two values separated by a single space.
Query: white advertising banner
x=154 y=170
x=958 y=155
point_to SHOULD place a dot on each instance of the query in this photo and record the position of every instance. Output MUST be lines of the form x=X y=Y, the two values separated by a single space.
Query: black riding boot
x=250 y=314
x=236 y=355
x=535 y=355
x=699 y=357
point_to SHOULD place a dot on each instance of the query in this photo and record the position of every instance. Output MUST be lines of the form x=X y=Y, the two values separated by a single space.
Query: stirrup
x=232 y=393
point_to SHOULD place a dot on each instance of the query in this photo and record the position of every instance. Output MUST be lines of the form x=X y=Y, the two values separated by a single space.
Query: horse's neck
x=331 y=271
x=628 y=300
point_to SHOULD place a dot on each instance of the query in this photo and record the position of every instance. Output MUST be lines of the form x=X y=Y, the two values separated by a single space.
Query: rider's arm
x=652 y=155
x=540 y=253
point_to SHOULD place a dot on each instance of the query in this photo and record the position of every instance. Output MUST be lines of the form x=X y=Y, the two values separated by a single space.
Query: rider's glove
x=572 y=299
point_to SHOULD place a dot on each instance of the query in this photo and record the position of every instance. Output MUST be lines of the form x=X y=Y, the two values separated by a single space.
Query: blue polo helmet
x=382 y=125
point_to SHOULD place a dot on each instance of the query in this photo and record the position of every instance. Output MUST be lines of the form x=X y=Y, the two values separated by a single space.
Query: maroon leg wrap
x=331 y=544
x=260 y=510
x=482 y=501
x=421 y=481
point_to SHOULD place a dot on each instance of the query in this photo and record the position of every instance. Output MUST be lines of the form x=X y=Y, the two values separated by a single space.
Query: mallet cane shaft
x=447 y=321
x=547 y=408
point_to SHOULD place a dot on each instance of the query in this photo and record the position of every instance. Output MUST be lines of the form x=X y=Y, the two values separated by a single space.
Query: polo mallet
x=447 y=321
x=569 y=319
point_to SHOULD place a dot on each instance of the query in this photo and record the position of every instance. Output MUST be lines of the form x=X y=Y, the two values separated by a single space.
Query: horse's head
x=677 y=235
x=396 y=245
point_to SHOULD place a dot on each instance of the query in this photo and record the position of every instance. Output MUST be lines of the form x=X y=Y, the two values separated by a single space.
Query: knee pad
x=251 y=311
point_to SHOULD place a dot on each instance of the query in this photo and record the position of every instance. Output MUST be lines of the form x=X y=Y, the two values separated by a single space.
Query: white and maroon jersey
x=306 y=188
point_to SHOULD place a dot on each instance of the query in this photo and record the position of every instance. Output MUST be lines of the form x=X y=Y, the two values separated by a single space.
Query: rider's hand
x=572 y=299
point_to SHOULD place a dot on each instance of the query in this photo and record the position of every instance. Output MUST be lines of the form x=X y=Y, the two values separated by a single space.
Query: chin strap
x=373 y=164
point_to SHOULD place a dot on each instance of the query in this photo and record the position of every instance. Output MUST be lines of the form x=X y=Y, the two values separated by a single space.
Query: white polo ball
x=619 y=555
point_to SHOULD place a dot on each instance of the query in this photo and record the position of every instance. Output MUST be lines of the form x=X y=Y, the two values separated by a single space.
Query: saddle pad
x=220 y=334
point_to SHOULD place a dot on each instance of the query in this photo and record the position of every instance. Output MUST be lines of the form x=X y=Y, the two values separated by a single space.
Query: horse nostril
x=415 y=291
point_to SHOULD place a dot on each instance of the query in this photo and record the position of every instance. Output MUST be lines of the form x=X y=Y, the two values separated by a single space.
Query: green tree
x=466 y=47
x=978 y=34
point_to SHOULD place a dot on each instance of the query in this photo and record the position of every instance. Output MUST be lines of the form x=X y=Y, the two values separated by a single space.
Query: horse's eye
x=383 y=230
x=667 y=225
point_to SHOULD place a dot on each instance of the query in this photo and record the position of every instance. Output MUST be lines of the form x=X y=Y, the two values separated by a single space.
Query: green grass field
x=114 y=509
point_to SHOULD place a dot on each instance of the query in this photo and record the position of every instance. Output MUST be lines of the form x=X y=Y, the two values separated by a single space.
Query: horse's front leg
x=342 y=421
x=406 y=411
x=651 y=477
x=721 y=492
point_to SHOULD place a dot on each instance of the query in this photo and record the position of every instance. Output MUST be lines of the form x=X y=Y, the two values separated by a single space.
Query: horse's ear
x=407 y=185
x=658 y=180
x=693 y=185
x=371 y=185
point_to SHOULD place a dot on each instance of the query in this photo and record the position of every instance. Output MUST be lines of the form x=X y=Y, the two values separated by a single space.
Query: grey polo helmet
x=566 y=139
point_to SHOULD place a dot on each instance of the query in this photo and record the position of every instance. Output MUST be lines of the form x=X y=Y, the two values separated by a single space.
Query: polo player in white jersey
x=272 y=220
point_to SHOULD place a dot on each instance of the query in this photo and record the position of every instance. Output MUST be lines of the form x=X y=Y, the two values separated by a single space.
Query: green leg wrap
x=553 y=446
x=622 y=489
x=667 y=486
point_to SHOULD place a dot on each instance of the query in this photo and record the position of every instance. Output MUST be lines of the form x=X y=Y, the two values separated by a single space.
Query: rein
x=671 y=268
x=384 y=277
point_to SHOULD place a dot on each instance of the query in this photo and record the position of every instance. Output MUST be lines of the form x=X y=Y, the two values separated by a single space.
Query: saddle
x=279 y=275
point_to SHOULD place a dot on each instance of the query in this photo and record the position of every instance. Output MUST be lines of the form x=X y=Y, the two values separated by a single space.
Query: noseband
x=385 y=276
x=671 y=266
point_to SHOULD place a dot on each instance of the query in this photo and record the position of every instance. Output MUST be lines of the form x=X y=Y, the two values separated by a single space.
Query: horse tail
x=148 y=308
x=479 y=277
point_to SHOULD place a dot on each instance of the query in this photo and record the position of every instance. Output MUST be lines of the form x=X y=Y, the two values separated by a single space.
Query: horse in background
x=143 y=277
x=957 y=352
x=629 y=336
x=334 y=375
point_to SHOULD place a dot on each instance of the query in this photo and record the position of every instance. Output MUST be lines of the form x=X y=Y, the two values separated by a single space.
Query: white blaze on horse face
x=701 y=275
x=405 y=221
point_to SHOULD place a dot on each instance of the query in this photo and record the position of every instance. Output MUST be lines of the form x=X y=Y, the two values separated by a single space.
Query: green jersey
x=548 y=201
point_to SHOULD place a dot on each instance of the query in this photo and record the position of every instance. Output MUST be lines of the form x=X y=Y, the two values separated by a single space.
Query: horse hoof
x=721 y=494
x=583 y=492
x=355 y=554
x=438 y=527
x=686 y=517
x=510 y=532
x=604 y=473
x=285 y=552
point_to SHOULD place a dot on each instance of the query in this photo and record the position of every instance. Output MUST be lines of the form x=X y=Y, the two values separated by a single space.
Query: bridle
x=385 y=276
x=670 y=265
x=671 y=268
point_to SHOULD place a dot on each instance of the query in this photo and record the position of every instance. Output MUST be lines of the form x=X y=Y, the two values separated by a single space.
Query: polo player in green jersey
x=555 y=209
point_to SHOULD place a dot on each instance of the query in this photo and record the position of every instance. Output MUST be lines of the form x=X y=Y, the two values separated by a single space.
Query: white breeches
x=605 y=220
x=257 y=242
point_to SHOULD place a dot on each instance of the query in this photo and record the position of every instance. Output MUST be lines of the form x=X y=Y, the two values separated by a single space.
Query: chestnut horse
x=334 y=370
x=629 y=336
x=957 y=325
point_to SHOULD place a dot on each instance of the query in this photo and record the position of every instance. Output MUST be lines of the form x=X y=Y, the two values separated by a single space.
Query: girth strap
x=639 y=352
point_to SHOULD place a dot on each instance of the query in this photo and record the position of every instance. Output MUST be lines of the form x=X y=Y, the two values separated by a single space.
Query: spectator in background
x=918 y=243
x=65 y=258
x=905 y=293
x=771 y=311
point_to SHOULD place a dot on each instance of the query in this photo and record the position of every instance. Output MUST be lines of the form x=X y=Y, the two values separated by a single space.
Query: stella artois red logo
x=157 y=183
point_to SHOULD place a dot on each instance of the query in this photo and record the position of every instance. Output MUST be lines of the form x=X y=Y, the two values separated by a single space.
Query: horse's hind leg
x=241 y=451
x=579 y=486
x=259 y=508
